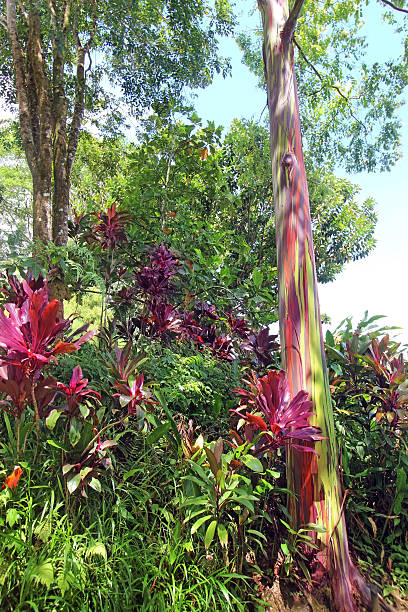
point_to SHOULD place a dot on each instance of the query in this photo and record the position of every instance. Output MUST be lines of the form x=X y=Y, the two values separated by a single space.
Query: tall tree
x=313 y=479
x=55 y=53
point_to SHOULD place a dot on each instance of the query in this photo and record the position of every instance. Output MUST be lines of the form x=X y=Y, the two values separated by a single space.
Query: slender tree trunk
x=314 y=480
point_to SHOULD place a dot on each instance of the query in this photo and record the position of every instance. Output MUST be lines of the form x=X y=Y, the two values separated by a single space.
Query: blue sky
x=379 y=282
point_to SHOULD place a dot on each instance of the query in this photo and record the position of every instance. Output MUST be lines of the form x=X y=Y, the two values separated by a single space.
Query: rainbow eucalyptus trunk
x=314 y=480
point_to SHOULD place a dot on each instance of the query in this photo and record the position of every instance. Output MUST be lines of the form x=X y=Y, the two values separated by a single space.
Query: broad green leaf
x=73 y=483
x=252 y=463
x=67 y=467
x=98 y=548
x=257 y=277
x=52 y=419
x=12 y=517
x=209 y=534
x=57 y=445
x=200 y=522
x=74 y=432
x=84 y=410
x=95 y=484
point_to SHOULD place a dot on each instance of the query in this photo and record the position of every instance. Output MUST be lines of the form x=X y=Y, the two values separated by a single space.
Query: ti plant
x=218 y=500
x=32 y=335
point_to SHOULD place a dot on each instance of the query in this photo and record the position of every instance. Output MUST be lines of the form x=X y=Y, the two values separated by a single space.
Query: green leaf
x=84 y=410
x=57 y=445
x=157 y=433
x=12 y=517
x=95 y=484
x=200 y=521
x=222 y=535
x=74 y=432
x=169 y=415
x=67 y=468
x=73 y=483
x=209 y=534
x=252 y=463
x=257 y=277
x=52 y=419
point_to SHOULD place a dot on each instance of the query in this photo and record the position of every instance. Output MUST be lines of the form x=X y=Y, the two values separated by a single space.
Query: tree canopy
x=58 y=57
x=349 y=101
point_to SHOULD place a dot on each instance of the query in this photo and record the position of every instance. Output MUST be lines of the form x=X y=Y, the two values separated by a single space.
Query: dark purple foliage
x=262 y=344
x=154 y=280
x=239 y=326
x=163 y=318
x=204 y=310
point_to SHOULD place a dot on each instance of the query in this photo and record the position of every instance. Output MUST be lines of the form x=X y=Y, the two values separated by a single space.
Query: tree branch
x=290 y=25
x=393 y=6
x=320 y=77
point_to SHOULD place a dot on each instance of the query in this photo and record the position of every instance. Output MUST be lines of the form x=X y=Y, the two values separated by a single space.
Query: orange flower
x=12 y=480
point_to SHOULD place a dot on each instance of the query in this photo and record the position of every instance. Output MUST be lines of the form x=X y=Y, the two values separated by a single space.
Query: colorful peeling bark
x=314 y=479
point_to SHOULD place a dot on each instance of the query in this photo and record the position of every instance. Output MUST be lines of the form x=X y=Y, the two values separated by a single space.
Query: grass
x=125 y=549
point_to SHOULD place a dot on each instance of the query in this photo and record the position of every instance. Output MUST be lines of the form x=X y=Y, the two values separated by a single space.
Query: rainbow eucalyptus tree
x=314 y=479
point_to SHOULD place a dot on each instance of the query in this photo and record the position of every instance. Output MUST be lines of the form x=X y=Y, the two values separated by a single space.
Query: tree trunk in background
x=42 y=209
x=50 y=141
x=314 y=480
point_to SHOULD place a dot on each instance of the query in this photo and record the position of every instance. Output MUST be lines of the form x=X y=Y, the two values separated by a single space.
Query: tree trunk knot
x=288 y=160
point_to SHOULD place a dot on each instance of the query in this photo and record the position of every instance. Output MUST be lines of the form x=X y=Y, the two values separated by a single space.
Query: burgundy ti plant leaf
x=284 y=420
x=238 y=326
x=18 y=390
x=220 y=345
x=190 y=328
x=262 y=344
x=16 y=290
x=163 y=318
x=122 y=365
x=154 y=280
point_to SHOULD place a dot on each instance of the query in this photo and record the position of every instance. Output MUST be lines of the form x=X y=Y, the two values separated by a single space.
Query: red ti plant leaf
x=286 y=420
x=238 y=326
x=110 y=228
x=164 y=318
x=76 y=393
x=30 y=333
x=17 y=292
